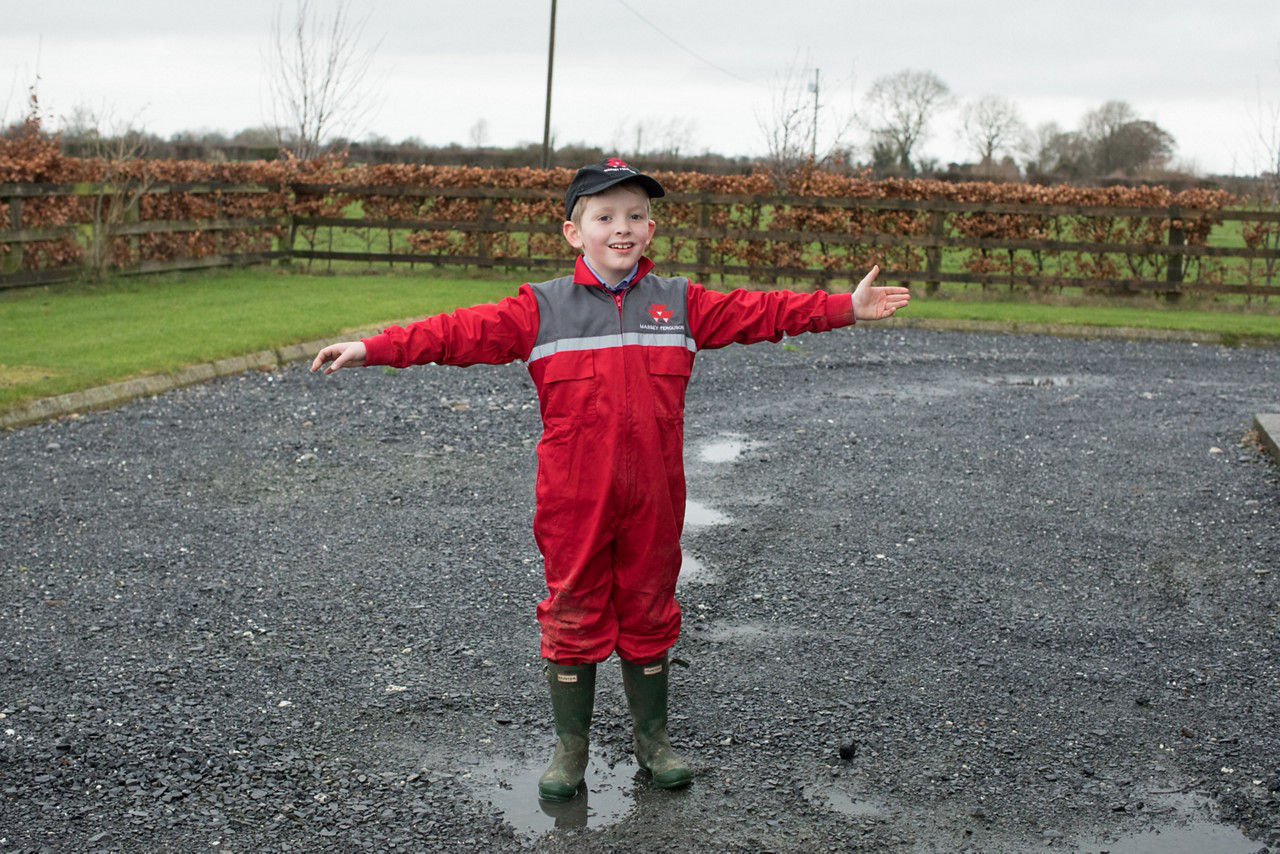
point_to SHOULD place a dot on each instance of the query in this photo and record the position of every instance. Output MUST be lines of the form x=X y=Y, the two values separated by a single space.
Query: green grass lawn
x=1233 y=324
x=69 y=337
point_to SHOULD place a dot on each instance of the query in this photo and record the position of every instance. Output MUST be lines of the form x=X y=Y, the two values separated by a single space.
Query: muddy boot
x=646 y=687
x=573 y=692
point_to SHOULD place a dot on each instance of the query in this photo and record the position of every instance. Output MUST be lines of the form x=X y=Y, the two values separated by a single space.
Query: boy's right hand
x=345 y=354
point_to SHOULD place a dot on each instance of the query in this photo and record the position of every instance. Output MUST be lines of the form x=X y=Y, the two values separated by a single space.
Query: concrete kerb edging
x=1268 y=427
x=114 y=394
x=103 y=397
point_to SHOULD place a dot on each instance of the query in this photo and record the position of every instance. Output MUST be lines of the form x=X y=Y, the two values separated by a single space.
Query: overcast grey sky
x=1199 y=69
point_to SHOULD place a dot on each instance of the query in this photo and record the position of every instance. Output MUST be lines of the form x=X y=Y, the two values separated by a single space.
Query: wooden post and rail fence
x=1183 y=250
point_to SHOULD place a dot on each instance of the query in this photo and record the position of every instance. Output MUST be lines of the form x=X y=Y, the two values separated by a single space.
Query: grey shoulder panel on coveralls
x=583 y=317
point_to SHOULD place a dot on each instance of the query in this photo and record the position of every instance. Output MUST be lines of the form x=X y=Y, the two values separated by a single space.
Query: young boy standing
x=610 y=349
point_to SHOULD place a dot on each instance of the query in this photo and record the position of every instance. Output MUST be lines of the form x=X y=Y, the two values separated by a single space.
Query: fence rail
x=1169 y=250
x=92 y=232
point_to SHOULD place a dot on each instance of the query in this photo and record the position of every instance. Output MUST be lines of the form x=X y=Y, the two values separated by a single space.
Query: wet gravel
x=972 y=592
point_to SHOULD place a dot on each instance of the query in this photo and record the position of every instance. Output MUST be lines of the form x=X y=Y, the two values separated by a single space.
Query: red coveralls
x=611 y=372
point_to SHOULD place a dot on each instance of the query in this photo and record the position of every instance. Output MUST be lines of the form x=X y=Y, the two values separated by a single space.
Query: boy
x=610 y=349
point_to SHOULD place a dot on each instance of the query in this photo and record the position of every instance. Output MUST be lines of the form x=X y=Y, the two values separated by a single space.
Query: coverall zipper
x=628 y=479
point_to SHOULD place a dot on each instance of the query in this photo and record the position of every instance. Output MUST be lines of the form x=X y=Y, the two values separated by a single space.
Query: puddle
x=694 y=571
x=844 y=803
x=1043 y=381
x=1189 y=833
x=700 y=515
x=607 y=798
x=744 y=632
x=725 y=450
x=1194 y=837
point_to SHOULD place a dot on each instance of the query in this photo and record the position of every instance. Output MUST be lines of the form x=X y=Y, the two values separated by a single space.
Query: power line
x=675 y=42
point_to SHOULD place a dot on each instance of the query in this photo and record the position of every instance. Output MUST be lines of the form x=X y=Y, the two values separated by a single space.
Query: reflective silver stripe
x=658 y=339
x=565 y=345
x=604 y=342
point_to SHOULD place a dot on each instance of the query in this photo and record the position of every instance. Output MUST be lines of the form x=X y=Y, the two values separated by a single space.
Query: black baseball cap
x=598 y=177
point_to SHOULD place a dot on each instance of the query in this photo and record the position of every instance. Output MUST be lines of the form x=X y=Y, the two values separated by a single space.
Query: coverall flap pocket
x=669 y=369
x=569 y=386
x=570 y=366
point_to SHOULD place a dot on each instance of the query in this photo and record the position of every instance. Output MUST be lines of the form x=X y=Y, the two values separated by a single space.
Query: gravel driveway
x=942 y=592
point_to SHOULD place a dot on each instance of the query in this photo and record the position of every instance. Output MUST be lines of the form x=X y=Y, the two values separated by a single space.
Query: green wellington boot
x=573 y=693
x=646 y=687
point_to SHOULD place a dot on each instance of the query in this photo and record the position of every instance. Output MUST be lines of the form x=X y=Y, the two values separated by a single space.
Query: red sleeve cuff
x=840 y=310
x=378 y=350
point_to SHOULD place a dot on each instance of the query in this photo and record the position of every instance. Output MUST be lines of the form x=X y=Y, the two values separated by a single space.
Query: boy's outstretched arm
x=491 y=334
x=746 y=317
x=871 y=303
x=345 y=354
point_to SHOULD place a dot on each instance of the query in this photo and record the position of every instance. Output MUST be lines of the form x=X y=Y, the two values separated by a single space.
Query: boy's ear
x=571 y=234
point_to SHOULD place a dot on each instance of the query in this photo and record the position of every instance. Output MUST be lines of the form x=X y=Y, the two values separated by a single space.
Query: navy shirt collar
x=620 y=286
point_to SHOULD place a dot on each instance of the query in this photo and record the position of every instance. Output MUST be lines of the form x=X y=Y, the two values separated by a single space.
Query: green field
x=1233 y=325
x=65 y=338
x=69 y=337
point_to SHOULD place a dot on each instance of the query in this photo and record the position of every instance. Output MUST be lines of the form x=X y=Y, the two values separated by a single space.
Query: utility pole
x=546 y=121
x=813 y=152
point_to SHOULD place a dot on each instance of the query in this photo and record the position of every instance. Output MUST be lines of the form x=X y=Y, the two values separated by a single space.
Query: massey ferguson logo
x=660 y=313
x=615 y=163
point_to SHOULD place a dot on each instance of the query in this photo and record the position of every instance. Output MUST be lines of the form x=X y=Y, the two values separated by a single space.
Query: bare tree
x=1267 y=129
x=1266 y=126
x=1266 y=122
x=1102 y=127
x=8 y=99
x=787 y=128
x=80 y=125
x=1052 y=150
x=793 y=133
x=478 y=135
x=1123 y=143
x=991 y=125
x=902 y=105
x=118 y=145
x=664 y=136
x=316 y=70
x=1112 y=140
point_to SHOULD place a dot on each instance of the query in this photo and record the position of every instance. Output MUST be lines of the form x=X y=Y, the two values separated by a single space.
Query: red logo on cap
x=660 y=313
x=615 y=163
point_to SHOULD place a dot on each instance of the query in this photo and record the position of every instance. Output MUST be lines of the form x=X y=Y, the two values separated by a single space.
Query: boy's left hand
x=876 y=303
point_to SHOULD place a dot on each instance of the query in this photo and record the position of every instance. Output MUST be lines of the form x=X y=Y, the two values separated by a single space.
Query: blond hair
x=575 y=216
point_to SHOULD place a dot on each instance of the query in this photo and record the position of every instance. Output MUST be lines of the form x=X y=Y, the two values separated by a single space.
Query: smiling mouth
x=622 y=246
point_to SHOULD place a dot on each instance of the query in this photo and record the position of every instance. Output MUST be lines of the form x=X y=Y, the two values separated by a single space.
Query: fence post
x=132 y=213
x=219 y=246
x=1173 y=270
x=483 y=232
x=287 y=260
x=13 y=258
x=933 y=254
x=704 y=251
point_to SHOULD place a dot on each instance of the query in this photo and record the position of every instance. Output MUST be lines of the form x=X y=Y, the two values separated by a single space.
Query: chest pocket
x=669 y=370
x=569 y=386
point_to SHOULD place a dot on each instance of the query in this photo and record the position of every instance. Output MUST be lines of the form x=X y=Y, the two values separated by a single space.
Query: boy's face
x=614 y=230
